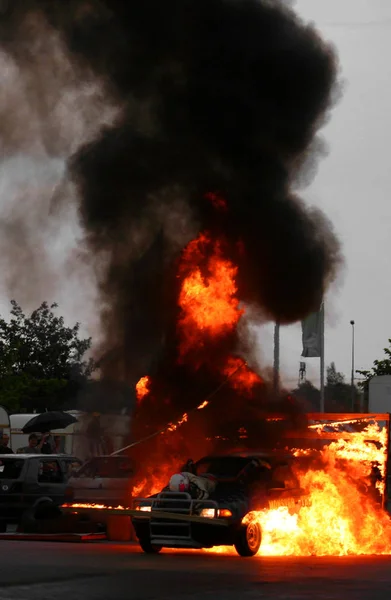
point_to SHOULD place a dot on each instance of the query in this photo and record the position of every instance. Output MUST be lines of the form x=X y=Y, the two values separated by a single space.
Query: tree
x=308 y=396
x=334 y=377
x=380 y=367
x=337 y=393
x=41 y=360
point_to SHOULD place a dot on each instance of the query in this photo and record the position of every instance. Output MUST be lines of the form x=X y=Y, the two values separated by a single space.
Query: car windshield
x=11 y=468
x=222 y=467
x=107 y=468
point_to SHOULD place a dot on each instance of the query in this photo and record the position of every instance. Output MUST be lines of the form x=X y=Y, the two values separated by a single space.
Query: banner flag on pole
x=312 y=332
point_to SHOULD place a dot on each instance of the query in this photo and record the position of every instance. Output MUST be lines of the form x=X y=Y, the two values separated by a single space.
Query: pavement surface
x=108 y=571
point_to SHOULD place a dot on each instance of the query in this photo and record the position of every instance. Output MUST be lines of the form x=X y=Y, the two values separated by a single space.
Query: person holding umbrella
x=47 y=444
x=45 y=423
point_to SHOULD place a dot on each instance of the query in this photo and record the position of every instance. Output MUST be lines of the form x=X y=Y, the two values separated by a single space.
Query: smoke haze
x=154 y=106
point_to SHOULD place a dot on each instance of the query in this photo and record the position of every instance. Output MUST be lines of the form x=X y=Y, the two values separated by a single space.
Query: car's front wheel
x=147 y=546
x=248 y=539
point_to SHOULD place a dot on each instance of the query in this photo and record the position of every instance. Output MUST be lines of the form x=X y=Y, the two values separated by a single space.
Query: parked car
x=206 y=504
x=33 y=486
x=103 y=480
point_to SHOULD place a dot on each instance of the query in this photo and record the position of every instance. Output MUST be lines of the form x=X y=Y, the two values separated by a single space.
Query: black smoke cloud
x=220 y=96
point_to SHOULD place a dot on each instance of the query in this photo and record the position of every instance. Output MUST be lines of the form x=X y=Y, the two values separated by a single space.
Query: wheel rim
x=253 y=536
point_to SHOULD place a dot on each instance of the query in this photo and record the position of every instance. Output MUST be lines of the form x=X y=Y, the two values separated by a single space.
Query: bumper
x=170 y=531
x=177 y=520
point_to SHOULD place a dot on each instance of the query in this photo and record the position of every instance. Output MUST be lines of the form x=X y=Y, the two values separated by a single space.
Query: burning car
x=208 y=503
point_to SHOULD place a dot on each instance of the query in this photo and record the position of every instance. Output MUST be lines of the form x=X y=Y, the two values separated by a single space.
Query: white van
x=74 y=438
x=18 y=439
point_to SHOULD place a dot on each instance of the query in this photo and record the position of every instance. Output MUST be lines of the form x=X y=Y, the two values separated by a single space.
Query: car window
x=49 y=471
x=225 y=467
x=71 y=466
x=11 y=468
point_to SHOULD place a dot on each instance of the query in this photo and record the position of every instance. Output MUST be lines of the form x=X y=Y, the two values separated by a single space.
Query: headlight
x=144 y=508
x=209 y=513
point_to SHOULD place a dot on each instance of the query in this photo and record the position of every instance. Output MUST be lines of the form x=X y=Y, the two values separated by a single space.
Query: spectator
x=33 y=447
x=4 y=441
x=57 y=445
x=47 y=444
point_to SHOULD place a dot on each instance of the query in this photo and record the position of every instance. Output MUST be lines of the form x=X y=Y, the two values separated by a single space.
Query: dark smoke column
x=218 y=95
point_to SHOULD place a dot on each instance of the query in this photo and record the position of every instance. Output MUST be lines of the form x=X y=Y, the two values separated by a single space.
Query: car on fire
x=209 y=503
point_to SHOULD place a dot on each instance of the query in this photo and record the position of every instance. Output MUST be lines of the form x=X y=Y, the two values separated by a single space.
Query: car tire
x=31 y=521
x=147 y=547
x=248 y=540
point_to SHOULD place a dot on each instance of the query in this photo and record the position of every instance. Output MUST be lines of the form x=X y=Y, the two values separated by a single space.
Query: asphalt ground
x=108 y=571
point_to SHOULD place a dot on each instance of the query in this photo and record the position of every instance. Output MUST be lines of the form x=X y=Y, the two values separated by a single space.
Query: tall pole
x=276 y=365
x=352 y=379
x=322 y=358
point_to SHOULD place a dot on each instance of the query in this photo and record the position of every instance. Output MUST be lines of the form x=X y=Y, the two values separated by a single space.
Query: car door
x=117 y=481
x=87 y=484
x=70 y=465
x=51 y=479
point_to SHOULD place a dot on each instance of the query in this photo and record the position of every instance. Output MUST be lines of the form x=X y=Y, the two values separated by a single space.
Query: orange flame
x=208 y=299
x=94 y=506
x=339 y=517
x=339 y=521
x=241 y=377
x=218 y=202
x=142 y=388
x=174 y=426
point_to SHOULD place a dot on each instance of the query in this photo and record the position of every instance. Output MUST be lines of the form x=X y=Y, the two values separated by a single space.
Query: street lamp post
x=276 y=366
x=352 y=381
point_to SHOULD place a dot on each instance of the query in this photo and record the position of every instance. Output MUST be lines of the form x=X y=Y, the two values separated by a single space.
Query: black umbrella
x=53 y=419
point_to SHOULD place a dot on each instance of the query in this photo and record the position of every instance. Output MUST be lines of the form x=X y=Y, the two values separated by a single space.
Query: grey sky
x=352 y=186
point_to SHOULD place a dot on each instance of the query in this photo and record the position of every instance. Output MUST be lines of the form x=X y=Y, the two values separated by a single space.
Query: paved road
x=106 y=571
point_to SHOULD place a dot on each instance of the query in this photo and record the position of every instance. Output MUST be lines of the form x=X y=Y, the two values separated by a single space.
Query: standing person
x=94 y=434
x=33 y=446
x=57 y=445
x=47 y=444
x=4 y=441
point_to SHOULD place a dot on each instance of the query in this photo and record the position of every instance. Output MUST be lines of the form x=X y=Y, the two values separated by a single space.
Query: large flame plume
x=343 y=516
x=208 y=295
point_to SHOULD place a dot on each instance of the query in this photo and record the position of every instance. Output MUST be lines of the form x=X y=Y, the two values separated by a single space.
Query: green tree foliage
x=337 y=393
x=334 y=377
x=380 y=367
x=41 y=360
x=308 y=396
